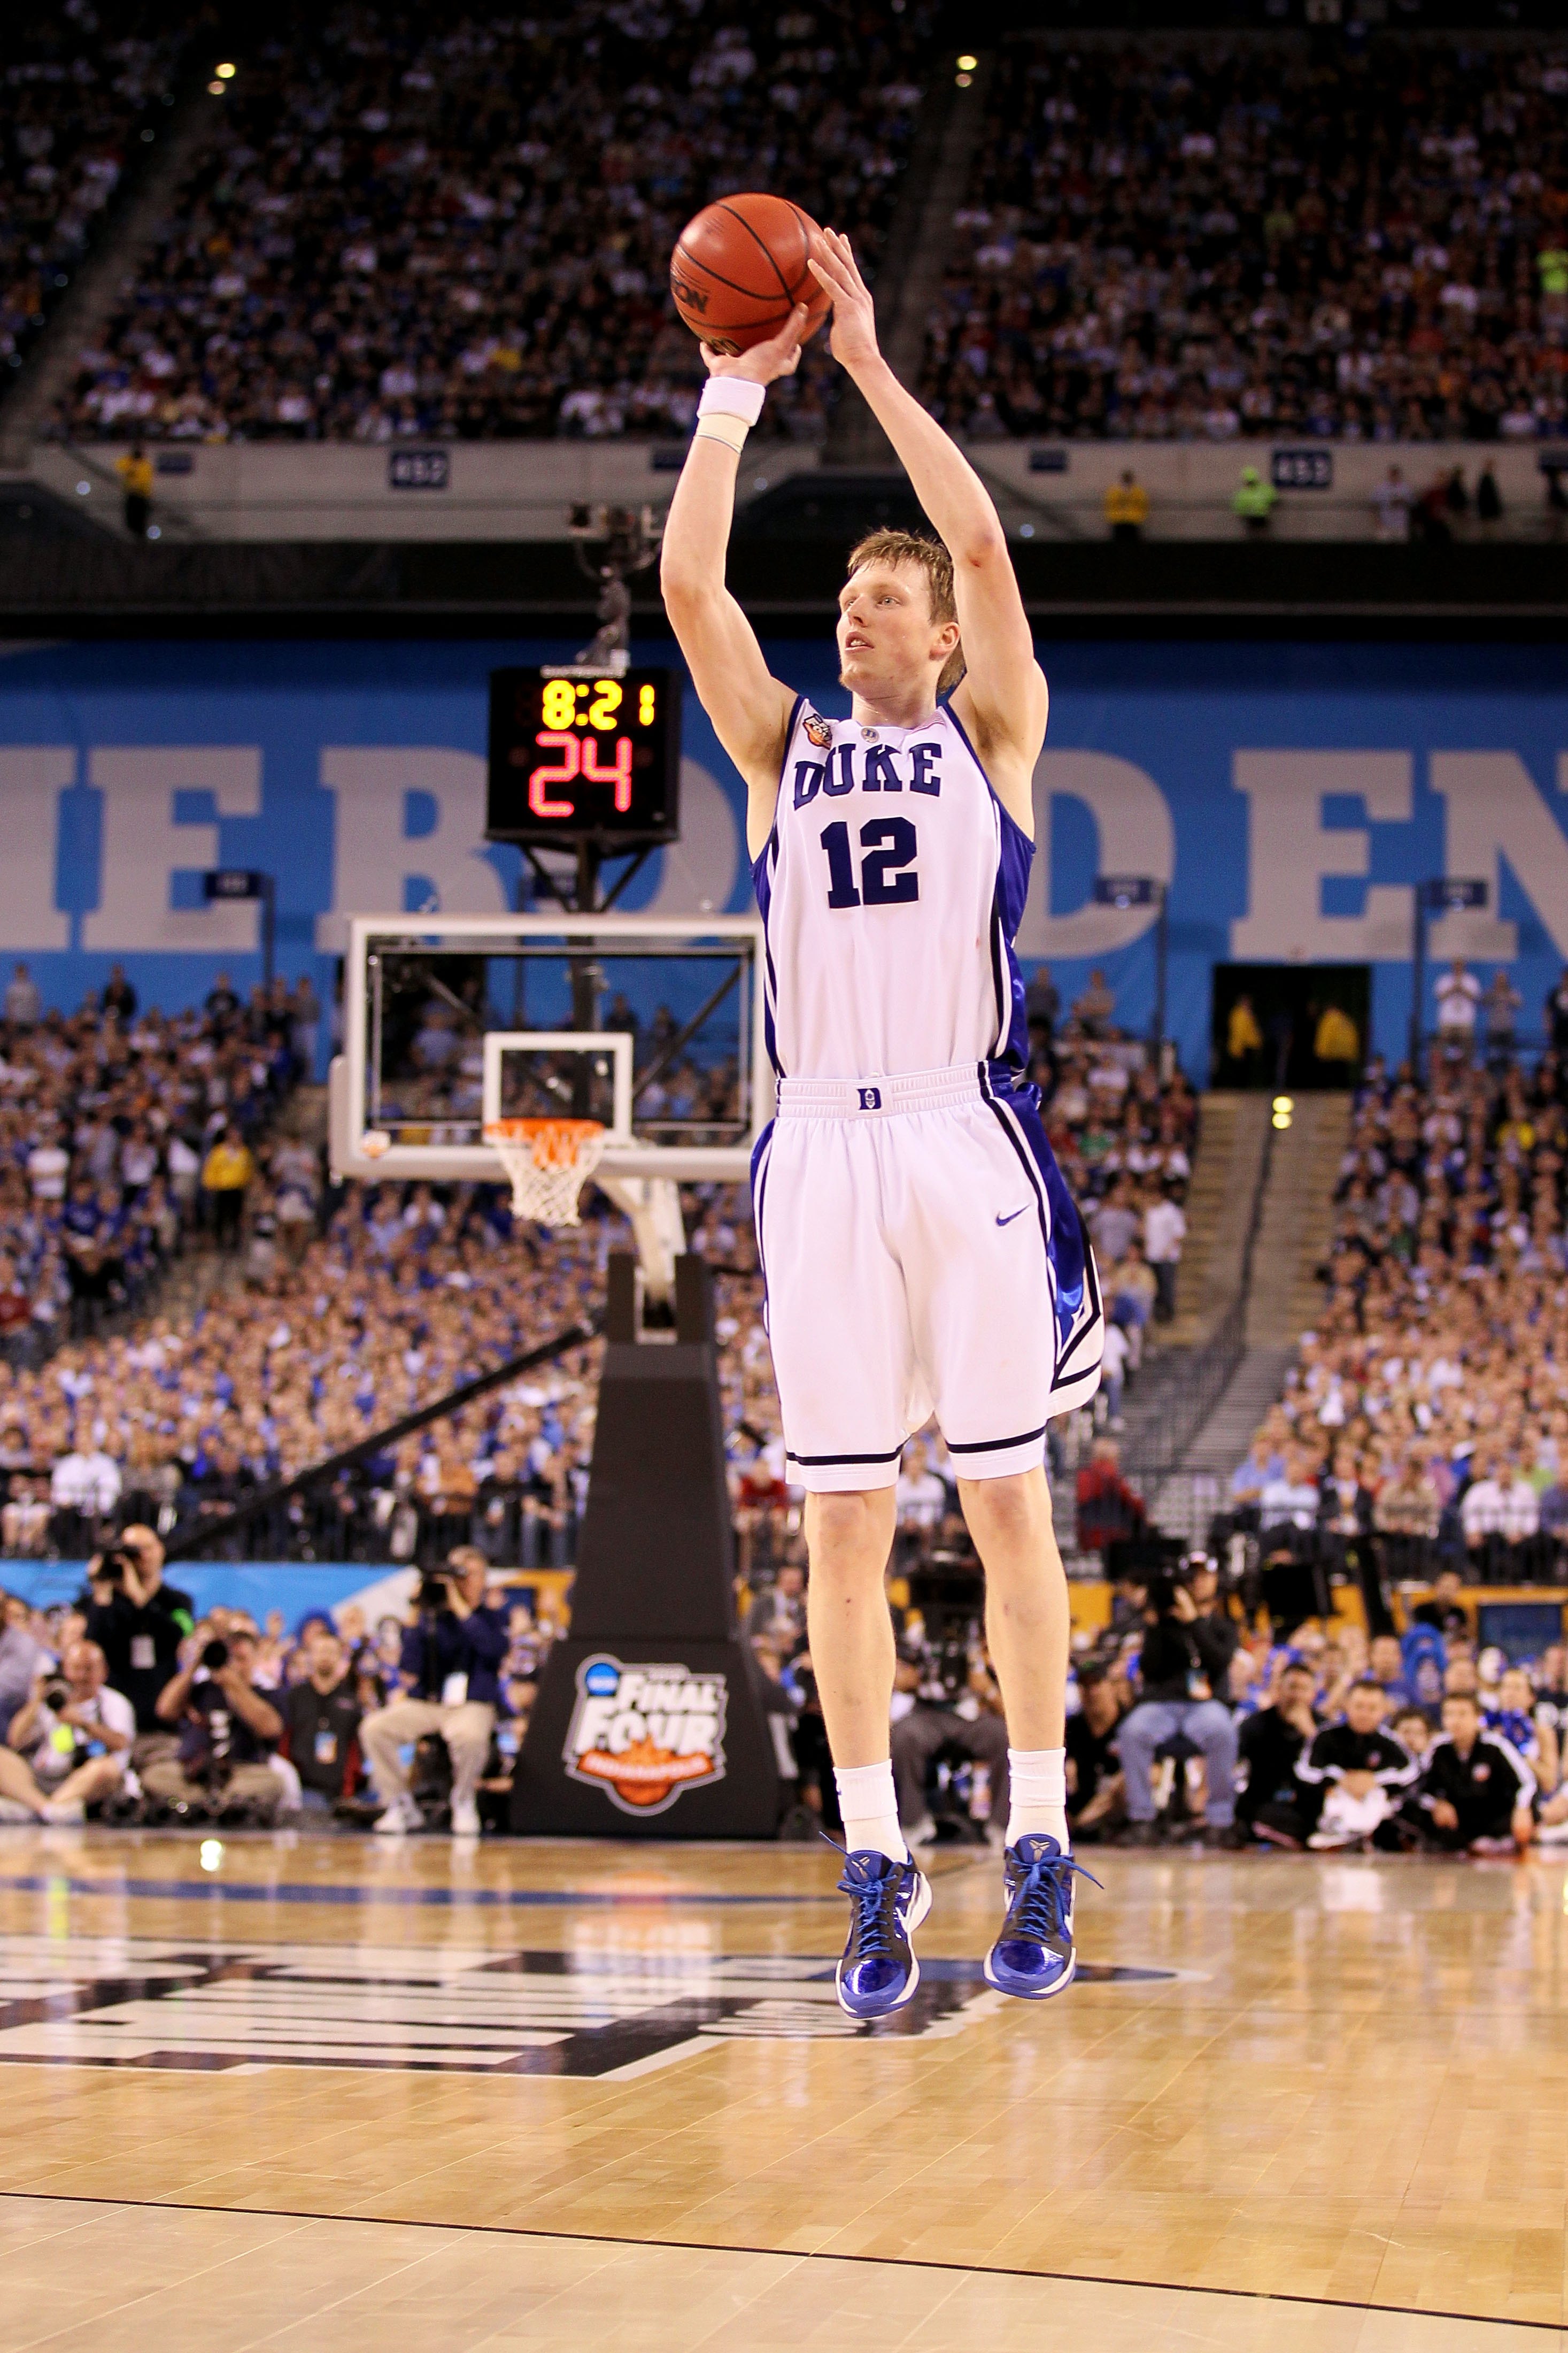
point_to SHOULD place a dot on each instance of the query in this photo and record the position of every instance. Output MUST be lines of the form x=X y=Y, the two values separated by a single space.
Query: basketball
x=739 y=269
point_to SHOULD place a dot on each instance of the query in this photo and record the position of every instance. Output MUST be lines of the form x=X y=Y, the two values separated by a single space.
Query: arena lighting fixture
x=967 y=65
x=964 y=80
x=225 y=73
x=217 y=89
x=1284 y=1110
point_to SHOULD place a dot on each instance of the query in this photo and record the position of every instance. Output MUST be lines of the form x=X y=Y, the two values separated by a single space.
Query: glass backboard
x=680 y=1069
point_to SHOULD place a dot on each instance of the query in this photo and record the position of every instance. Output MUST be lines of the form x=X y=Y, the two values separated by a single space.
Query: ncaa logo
x=644 y=1734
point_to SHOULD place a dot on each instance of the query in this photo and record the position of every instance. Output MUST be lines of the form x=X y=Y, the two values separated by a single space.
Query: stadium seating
x=86 y=89
x=467 y=234
x=1361 y=239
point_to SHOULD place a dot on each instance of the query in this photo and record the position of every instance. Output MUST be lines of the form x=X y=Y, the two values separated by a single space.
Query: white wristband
x=732 y=396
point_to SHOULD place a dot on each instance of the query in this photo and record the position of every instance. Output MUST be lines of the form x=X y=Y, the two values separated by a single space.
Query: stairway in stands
x=1293 y=1236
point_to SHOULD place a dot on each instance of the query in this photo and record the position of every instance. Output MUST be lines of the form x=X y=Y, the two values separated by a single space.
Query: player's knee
x=1014 y=1507
x=847 y=1530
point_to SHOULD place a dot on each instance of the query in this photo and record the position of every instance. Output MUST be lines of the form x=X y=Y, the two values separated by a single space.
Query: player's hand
x=831 y=263
x=765 y=363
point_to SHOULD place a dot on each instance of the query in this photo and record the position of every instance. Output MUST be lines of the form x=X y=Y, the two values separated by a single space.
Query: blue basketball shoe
x=1034 y=1956
x=888 y=1900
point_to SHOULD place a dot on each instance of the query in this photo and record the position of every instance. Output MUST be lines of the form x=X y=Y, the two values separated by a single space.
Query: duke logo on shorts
x=920 y=1250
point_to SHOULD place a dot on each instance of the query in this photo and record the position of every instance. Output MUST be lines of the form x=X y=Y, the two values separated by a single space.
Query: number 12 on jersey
x=890 y=846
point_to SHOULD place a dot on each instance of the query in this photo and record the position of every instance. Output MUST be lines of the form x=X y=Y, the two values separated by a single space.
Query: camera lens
x=215 y=1655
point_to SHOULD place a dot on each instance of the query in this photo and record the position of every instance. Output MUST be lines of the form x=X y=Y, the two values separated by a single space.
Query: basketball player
x=920 y=1248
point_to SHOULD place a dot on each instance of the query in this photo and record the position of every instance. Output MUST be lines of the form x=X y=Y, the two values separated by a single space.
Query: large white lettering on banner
x=32 y=776
x=1132 y=820
x=1494 y=813
x=410 y=836
x=1290 y=850
x=146 y=844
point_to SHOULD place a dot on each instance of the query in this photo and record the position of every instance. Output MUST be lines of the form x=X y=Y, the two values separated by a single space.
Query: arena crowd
x=466 y=232
x=88 y=89
x=1361 y=240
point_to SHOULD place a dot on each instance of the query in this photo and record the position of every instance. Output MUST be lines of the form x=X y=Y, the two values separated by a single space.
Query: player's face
x=886 y=633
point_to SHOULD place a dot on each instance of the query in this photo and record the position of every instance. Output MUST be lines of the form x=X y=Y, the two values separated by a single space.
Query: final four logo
x=645 y=1734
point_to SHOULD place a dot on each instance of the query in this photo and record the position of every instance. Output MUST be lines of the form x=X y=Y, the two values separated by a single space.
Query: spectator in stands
x=1354 y=1776
x=1127 y=506
x=19 y=1658
x=1095 y=1010
x=1459 y=993
x=24 y=1004
x=1269 y=1744
x=451 y=1659
x=968 y=1724
x=320 y=1721
x=1107 y=1508
x=1243 y=1040
x=1499 y=1511
x=1392 y=500
x=1291 y=1499
x=135 y=471
x=1183 y=1669
x=1164 y=1231
x=778 y=1615
x=1096 y=1790
x=1476 y=1791
x=68 y=1745
x=228 y=1731
x=226 y=1173
x=1444 y=1609
x=1254 y=503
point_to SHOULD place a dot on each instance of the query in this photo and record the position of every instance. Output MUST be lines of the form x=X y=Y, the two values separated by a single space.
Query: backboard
x=652 y=1024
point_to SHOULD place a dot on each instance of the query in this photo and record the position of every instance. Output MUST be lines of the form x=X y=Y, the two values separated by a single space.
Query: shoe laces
x=874 y=1901
x=1039 y=1907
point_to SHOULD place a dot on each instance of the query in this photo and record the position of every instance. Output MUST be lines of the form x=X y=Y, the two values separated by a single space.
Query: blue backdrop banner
x=1291 y=797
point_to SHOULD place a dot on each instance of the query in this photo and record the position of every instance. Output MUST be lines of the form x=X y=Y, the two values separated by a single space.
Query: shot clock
x=574 y=756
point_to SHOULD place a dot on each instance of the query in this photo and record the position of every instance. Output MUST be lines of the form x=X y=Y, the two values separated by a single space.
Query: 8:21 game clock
x=575 y=755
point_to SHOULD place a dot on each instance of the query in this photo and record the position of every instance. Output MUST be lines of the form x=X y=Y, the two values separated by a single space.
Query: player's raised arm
x=1002 y=699
x=749 y=707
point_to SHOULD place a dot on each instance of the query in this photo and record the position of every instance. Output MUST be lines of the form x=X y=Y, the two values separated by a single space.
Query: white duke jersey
x=891 y=888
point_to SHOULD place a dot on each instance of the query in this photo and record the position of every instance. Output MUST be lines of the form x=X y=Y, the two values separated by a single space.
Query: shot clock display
x=573 y=755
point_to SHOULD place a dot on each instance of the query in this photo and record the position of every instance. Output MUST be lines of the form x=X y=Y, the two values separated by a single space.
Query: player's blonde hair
x=930 y=556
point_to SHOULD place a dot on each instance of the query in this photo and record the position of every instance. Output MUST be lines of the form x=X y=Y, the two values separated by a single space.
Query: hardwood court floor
x=547 y=2093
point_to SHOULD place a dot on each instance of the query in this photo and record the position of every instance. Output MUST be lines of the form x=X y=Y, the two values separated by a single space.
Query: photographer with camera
x=70 y=1744
x=956 y=1702
x=1184 y=1669
x=136 y=1621
x=228 y=1731
x=453 y=1654
x=321 y=1719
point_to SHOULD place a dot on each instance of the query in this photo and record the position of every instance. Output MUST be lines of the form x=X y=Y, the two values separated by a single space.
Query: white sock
x=870 y=1809
x=1037 y=1794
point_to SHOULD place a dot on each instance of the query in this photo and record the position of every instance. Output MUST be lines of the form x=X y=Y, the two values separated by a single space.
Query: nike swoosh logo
x=1011 y=1214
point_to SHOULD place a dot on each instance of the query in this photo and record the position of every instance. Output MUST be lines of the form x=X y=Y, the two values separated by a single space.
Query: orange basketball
x=740 y=268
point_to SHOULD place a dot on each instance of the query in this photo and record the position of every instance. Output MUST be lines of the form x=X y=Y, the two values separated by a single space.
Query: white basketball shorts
x=921 y=1254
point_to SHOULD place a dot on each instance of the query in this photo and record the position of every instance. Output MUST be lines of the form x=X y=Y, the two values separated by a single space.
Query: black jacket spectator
x=1483 y=1787
x=1173 y=1653
x=1270 y=1746
x=1338 y=1750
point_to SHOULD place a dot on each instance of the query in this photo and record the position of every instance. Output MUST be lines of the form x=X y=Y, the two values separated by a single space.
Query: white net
x=549 y=1162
